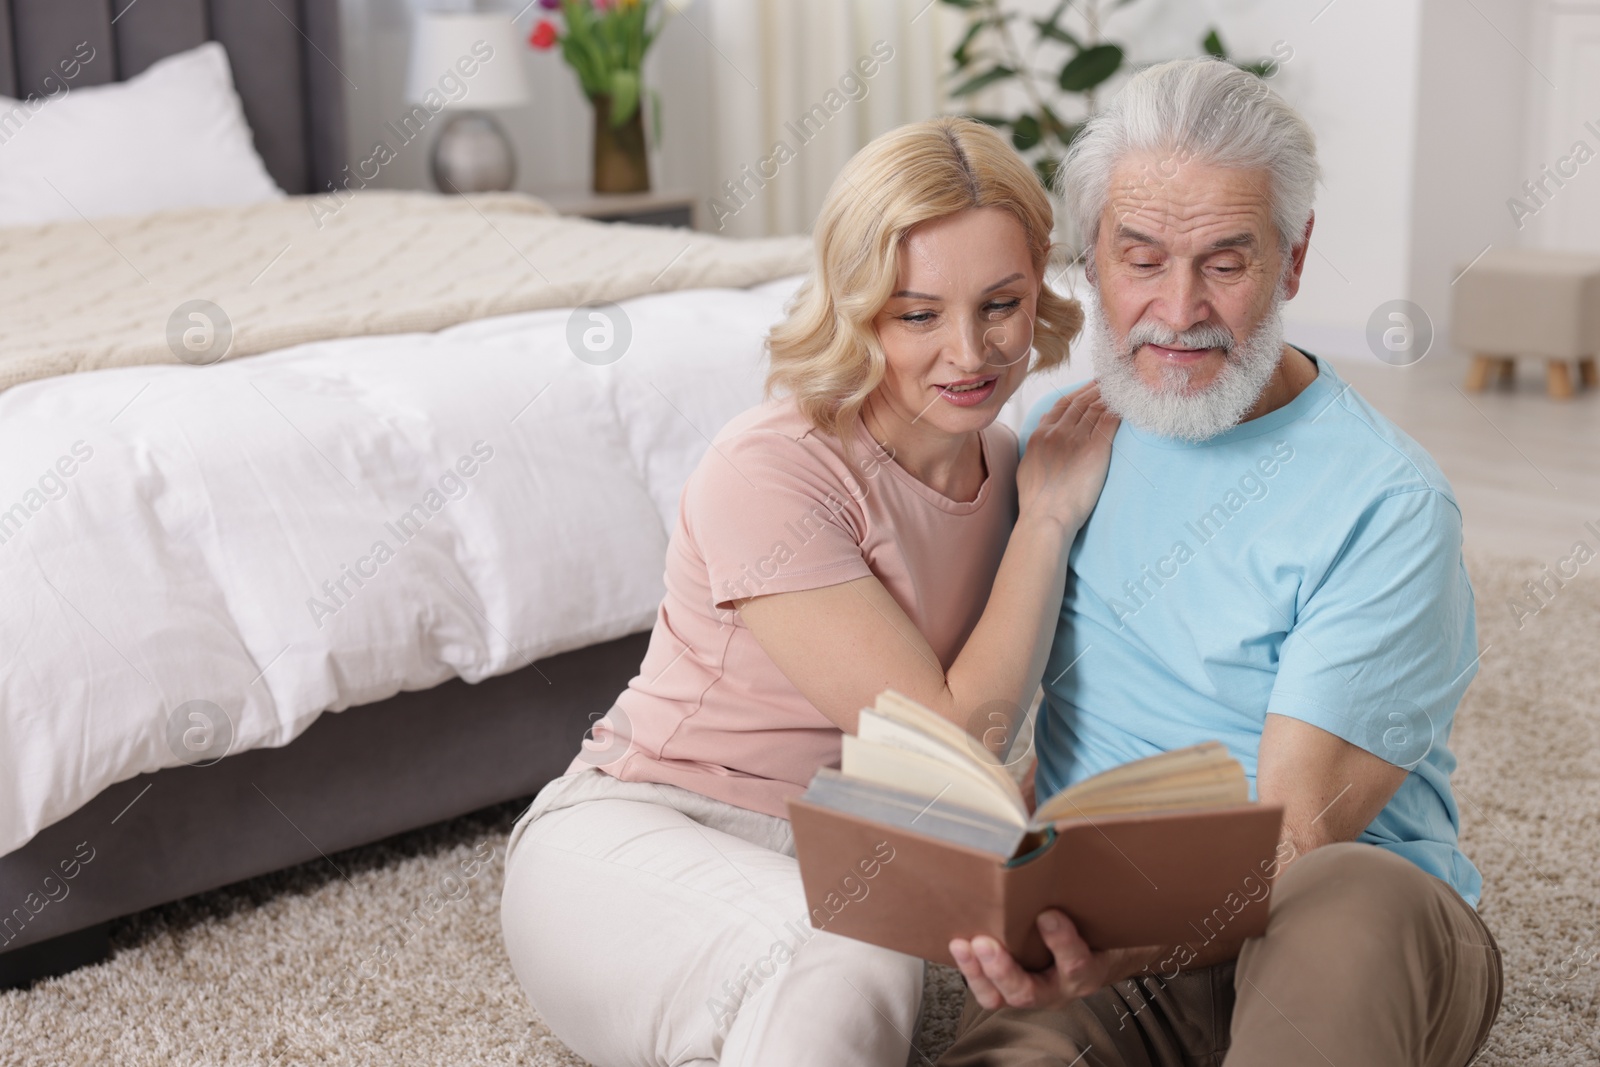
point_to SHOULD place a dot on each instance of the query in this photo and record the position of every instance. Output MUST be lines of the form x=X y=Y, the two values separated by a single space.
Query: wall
x=801 y=88
x=1353 y=76
x=1474 y=65
x=730 y=74
x=550 y=136
x=1422 y=110
x=1562 y=79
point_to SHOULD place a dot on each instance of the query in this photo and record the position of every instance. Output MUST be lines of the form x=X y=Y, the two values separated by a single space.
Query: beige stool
x=1529 y=302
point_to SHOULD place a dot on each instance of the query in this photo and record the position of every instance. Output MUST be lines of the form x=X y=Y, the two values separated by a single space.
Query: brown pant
x=1367 y=961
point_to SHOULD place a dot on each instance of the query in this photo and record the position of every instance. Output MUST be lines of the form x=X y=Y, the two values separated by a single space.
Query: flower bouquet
x=604 y=42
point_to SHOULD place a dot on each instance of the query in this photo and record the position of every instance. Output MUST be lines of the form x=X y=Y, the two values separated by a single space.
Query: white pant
x=651 y=926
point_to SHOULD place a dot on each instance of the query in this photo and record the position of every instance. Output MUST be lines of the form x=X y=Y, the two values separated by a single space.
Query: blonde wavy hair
x=826 y=351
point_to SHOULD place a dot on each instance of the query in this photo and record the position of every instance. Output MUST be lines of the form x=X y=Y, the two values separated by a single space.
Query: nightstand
x=640 y=209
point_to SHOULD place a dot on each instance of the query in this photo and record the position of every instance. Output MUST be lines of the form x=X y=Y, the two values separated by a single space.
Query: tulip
x=544 y=34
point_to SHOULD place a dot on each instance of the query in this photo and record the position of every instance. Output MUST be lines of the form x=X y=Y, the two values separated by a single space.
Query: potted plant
x=1076 y=64
x=604 y=42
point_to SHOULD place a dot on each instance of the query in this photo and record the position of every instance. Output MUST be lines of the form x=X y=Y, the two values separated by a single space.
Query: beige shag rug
x=311 y=966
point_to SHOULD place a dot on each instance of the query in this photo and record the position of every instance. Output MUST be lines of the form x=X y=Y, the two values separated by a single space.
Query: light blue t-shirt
x=1306 y=563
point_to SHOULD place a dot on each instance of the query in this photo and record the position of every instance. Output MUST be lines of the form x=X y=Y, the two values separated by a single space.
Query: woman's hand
x=1064 y=467
x=996 y=978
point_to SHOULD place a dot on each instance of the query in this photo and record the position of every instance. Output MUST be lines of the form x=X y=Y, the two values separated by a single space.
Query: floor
x=345 y=962
x=1525 y=468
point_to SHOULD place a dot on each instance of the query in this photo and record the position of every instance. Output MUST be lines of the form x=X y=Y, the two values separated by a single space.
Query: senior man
x=1274 y=564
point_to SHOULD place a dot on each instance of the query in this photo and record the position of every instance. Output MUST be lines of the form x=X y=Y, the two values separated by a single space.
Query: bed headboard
x=283 y=53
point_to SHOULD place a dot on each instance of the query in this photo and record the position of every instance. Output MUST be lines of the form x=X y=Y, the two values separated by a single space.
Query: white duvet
x=326 y=525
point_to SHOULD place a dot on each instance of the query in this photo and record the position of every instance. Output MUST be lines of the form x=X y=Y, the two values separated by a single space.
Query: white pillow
x=171 y=137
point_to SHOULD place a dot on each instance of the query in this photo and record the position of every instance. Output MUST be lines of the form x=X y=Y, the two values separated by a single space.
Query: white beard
x=1173 y=409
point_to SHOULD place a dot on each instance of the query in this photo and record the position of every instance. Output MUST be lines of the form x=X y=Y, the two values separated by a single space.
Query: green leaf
x=1052 y=125
x=987 y=78
x=655 y=117
x=960 y=52
x=1213 y=45
x=1050 y=27
x=965 y=5
x=1090 y=67
x=1025 y=133
x=624 y=95
x=582 y=49
x=1265 y=68
x=583 y=61
x=992 y=120
x=1045 y=167
x=1056 y=33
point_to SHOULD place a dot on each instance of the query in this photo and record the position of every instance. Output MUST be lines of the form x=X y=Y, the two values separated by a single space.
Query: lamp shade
x=467 y=60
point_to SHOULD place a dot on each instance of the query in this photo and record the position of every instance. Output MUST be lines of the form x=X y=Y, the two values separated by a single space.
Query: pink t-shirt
x=776 y=506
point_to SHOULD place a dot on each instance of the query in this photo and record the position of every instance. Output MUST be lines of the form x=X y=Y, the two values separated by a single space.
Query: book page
x=1198 y=776
x=884 y=804
x=901 y=708
x=894 y=733
x=929 y=777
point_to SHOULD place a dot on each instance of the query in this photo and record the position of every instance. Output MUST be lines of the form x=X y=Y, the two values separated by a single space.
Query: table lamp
x=468 y=63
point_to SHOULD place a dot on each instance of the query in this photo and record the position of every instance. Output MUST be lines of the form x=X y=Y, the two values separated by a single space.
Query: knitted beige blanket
x=219 y=283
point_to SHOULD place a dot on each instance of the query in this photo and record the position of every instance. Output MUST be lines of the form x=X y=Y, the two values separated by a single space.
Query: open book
x=1160 y=850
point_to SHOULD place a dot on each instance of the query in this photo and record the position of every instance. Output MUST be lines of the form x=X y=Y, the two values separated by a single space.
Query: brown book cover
x=1162 y=878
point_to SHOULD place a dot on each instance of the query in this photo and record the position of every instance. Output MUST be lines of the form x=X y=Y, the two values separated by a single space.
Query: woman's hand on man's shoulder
x=1068 y=454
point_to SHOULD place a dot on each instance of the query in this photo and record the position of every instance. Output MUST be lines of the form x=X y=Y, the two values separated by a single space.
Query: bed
x=182 y=540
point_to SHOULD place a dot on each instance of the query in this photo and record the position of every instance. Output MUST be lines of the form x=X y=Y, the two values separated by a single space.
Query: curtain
x=797 y=86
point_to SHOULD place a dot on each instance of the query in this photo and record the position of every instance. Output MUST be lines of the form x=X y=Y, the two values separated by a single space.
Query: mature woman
x=871 y=527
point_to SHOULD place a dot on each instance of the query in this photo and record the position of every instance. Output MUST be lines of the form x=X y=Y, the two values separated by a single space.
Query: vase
x=620 y=163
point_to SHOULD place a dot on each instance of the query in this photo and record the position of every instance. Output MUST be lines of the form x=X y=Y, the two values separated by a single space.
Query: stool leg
x=1508 y=372
x=1586 y=372
x=1558 y=379
x=1478 y=373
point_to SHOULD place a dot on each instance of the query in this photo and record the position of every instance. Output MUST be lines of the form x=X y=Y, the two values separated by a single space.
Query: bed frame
x=353 y=777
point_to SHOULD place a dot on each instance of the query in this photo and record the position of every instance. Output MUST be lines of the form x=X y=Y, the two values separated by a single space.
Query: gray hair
x=1194 y=110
